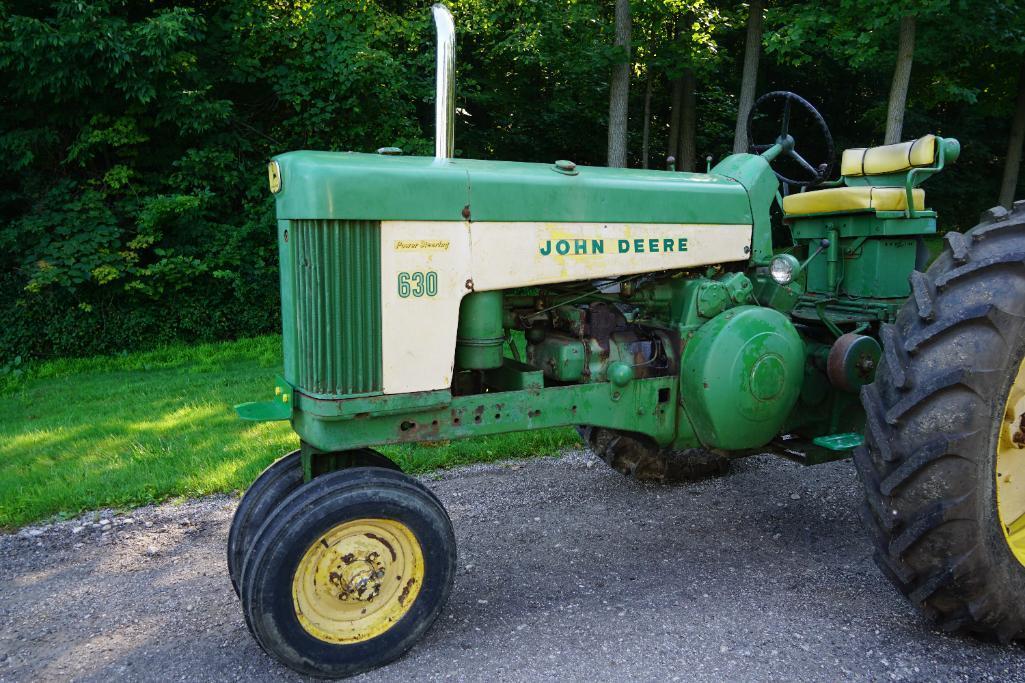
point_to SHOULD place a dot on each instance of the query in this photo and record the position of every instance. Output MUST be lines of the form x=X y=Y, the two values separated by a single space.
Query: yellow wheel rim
x=1011 y=468
x=357 y=580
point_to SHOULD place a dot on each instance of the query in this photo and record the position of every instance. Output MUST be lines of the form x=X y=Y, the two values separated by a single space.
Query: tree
x=675 y=102
x=901 y=80
x=1012 y=163
x=646 y=131
x=690 y=57
x=648 y=41
x=687 y=153
x=619 y=89
x=136 y=134
x=862 y=34
x=749 y=77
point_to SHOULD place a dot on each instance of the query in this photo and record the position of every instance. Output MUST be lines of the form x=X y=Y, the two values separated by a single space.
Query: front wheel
x=273 y=485
x=348 y=572
x=943 y=467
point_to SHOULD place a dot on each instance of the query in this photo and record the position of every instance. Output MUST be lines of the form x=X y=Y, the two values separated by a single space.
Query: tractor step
x=839 y=442
x=821 y=449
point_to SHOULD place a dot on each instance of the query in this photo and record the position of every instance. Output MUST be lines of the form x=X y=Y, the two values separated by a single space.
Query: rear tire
x=641 y=459
x=934 y=418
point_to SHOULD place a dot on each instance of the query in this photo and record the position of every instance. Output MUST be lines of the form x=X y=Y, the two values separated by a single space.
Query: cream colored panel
x=424 y=269
x=522 y=254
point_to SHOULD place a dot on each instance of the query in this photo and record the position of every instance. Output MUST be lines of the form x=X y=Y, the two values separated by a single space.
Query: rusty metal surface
x=852 y=361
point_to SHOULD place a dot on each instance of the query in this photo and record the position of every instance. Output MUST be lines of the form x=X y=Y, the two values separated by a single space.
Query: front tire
x=944 y=418
x=348 y=572
x=273 y=485
x=282 y=477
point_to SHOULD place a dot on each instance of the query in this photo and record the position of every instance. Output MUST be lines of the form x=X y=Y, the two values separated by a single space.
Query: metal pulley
x=852 y=361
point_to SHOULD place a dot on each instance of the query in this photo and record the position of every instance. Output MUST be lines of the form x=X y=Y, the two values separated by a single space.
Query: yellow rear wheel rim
x=1011 y=468
x=357 y=580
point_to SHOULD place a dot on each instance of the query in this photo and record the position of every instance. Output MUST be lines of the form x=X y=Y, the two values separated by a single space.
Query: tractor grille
x=336 y=267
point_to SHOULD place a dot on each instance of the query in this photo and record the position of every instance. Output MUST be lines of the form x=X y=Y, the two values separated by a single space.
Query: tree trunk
x=675 y=101
x=901 y=79
x=749 y=78
x=1012 y=164
x=688 y=118
x=646 y=135
x=619 y=89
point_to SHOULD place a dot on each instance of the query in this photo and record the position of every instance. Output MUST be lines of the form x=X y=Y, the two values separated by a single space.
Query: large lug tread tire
x=295 y=524
x=928 y=466
x=280 y=478
x=641 y=459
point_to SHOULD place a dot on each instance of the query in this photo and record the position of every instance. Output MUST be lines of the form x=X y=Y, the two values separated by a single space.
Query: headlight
x=784 y=268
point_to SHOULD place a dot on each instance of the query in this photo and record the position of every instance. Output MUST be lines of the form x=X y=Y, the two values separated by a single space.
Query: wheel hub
x=357 y=579
x=1019 y=435
x=1010 y=466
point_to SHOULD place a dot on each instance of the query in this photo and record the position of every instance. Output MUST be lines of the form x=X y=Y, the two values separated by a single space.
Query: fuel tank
x=355 y=186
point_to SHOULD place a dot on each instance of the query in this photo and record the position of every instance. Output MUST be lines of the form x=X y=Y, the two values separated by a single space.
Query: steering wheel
x=816 y=174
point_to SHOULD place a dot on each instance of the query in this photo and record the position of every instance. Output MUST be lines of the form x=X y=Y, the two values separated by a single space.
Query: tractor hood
x=348 y=185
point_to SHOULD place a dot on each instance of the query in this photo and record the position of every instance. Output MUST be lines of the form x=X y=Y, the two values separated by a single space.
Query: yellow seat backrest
x=889 y=158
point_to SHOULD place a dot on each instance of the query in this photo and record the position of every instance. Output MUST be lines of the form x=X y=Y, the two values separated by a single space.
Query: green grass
x=133 y=429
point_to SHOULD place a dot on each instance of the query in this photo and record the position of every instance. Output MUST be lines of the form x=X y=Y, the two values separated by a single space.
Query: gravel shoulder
x=566 y=570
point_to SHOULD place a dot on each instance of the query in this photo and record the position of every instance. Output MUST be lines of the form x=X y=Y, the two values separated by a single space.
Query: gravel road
x=566 y=571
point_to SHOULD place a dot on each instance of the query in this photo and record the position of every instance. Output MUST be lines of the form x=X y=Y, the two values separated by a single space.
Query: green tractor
x=439 y=298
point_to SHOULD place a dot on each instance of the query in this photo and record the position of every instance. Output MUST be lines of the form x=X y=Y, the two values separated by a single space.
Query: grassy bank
x=139 y=428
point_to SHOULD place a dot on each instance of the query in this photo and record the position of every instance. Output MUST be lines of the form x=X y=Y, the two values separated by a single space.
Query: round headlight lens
x=783 y=268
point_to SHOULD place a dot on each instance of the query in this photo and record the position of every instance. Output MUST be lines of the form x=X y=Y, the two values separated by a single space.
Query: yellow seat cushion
x=889 y=158
x=851 y=199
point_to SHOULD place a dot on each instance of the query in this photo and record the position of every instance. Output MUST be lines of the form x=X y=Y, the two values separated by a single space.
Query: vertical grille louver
x=337 y=266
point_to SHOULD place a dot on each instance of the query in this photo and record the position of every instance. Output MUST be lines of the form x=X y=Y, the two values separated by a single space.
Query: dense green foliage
x=133 y=209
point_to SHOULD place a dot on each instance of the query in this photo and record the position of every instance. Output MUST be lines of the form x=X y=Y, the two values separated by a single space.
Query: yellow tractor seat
x=872 y=179
x=864 y=198
x=898 y=158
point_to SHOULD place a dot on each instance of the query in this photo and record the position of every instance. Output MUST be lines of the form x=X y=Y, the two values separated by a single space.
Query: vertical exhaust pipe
x=445 y=74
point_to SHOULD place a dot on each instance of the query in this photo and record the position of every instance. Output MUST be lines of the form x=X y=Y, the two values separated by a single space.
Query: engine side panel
x=427 y=267
x=509 y=255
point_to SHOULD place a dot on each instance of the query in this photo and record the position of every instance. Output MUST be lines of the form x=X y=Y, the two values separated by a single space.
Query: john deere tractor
x=438 y=298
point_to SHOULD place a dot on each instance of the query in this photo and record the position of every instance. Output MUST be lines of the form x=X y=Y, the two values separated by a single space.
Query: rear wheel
x=943 y=467
x=282 y=477
x=348 y=572
x=640 y=458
